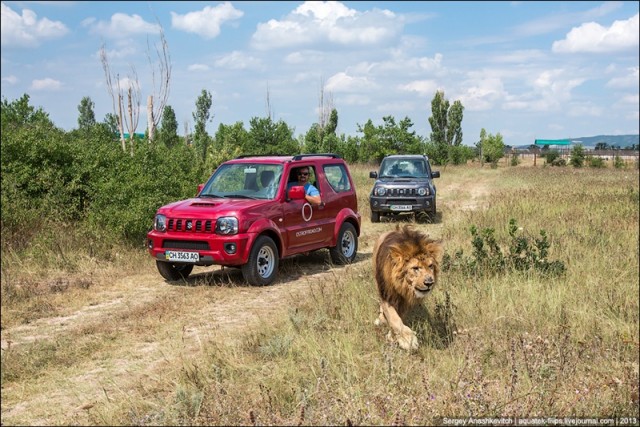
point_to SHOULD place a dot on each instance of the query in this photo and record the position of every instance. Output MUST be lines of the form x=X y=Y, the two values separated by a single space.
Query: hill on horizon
x=622 y=141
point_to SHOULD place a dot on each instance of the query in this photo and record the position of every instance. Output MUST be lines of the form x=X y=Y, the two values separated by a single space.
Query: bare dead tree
x=114 y=92
x=325 y=106
x=161 y=79
x=133 y=105
x=269 y=111
x=187 y=133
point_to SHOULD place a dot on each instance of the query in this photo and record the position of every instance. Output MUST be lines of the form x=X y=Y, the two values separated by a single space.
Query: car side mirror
x=435 y=174
x=296 y=192
x=373 y=174
x=200 y=187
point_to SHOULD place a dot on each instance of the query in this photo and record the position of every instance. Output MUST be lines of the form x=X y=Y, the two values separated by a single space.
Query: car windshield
x=403 y=168
x=244 y=181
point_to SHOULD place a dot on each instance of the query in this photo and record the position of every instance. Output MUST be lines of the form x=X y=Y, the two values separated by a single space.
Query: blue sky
x=525 y=70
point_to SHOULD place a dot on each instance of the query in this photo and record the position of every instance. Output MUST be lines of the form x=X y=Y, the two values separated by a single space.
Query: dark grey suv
x=404 y=184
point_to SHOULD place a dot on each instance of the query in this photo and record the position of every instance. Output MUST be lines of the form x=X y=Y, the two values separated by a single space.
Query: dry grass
x=517 y=344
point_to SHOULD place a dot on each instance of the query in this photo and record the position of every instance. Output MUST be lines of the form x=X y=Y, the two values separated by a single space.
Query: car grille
x=401 y=192
x=190 y=225
x=185 y=244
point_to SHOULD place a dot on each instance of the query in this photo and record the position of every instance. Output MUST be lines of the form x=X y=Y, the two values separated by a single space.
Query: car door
x=303 y=223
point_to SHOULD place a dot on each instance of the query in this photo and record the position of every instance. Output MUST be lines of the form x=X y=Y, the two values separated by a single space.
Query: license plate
x=182 y=256
x=401 y=207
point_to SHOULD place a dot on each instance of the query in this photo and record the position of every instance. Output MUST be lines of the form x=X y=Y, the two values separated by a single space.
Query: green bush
x=596 y=162
x=523 y=253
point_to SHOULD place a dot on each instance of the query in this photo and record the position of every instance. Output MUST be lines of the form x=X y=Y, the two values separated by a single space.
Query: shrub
x=596 y=162
x=523 y=253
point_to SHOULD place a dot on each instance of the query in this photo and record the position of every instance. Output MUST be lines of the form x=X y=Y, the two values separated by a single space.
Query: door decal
x=307 y=212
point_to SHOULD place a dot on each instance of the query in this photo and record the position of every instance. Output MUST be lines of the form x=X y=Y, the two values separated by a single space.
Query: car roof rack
x=302 y=156
x=244 y=156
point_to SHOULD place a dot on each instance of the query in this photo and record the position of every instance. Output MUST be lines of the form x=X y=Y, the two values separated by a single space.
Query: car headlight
x=379 y=191
x=160 y=223
x=423 y=191
x=227 y=225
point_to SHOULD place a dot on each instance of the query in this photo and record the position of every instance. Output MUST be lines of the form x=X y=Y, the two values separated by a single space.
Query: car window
x=293 y=175
x=403 y=168
x=244 y=180
x=337 y=177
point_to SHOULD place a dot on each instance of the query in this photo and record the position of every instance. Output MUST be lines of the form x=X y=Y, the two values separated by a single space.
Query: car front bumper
x=213 y=249
x=398 y=205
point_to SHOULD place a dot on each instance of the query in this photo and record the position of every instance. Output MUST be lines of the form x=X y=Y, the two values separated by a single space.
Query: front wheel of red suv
x=262 y=267
x=173 y=272
x=347 y=248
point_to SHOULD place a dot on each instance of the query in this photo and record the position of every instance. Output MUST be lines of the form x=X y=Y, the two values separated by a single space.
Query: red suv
x=250 y=214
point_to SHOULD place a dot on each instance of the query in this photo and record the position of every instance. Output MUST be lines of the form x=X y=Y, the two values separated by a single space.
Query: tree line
x=87 y=178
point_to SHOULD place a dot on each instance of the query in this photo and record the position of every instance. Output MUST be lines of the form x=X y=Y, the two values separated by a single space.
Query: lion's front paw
x=407 y=339
x=380 y=321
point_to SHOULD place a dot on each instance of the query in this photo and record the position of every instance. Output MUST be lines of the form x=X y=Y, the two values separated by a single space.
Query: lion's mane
x=392 y=251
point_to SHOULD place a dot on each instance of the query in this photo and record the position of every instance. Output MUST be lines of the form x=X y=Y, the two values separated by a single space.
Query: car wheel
x=375 y=216
x=347 y=248
x=262 y=267
x=173 y=272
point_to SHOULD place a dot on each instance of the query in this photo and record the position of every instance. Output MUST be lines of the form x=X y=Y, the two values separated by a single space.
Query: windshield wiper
x=239 y=196
x=213 y=196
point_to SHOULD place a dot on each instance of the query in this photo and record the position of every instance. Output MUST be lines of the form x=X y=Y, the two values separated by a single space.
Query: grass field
x=494 y=342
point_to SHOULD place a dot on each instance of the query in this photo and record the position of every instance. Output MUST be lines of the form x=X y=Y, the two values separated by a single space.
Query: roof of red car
x=278 y=159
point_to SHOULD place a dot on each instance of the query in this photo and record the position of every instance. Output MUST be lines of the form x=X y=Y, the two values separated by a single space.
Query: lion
x=406 y=264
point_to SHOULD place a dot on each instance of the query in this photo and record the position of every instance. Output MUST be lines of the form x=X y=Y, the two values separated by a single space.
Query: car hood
x=403 y=181
x=208 y=207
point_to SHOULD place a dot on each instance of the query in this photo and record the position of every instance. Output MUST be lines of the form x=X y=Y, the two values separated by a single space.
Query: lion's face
x=421 y=275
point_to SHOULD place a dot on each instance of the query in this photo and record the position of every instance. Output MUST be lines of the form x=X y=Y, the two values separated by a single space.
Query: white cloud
x=396 y=107
x=553 y=88
x=557 y=21
x=198 y=67
x=46 y=84
x=482 y=93
x=27 y=30
x=584 y=109
x=121 y=26
x=352 y=99
x=594 y=38
x=628 y=81
x=238 y=61
x=422 y=87
x=123 y=50
x=519 y=56
x=631 y=99
x=328 y=23
x=342 y=82
x=10 y=79
x=206 y=23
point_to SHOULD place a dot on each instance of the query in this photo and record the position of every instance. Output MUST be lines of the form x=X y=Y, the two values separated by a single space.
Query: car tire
x=375 y=216
x=173 y=272
x=262 y=267
x=347 y=248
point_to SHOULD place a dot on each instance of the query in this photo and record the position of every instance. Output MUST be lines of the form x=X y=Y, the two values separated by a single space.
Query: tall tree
x=19 y=113
x=201 y=117
x=492 y=147
x=168 y=134
x=269 y=137
x=161 y=79
x=454 y=124
x=117 y=89
x=86 y=118
x=446 y=126
x=111 y=122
